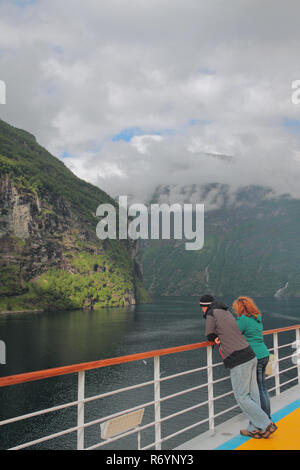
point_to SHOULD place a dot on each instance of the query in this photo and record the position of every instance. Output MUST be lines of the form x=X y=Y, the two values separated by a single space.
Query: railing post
x=298 y=352
x=157 y=403
x=277 y=377
x=210 y=389
x=80 y=410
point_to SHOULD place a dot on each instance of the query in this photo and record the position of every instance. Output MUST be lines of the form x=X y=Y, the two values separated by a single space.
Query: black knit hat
x=206 y=300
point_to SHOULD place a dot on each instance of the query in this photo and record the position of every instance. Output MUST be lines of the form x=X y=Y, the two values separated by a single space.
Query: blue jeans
x=245 y=389
x=263 y=391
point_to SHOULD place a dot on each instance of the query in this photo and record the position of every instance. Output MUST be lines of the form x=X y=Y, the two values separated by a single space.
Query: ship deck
x=286 y=415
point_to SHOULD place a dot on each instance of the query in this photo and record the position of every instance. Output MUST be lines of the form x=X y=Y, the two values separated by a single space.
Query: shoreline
x=5 y=312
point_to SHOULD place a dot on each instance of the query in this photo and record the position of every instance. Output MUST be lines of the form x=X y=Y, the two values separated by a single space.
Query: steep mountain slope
x=50 y=256
x=252 y=245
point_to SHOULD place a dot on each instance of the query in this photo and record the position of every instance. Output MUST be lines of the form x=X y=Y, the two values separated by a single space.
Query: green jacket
x=252 y=329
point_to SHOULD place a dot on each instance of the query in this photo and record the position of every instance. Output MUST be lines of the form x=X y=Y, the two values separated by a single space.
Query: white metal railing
x=158 y=400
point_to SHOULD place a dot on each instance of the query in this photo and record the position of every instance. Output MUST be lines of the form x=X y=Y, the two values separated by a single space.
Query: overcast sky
x=135 y=93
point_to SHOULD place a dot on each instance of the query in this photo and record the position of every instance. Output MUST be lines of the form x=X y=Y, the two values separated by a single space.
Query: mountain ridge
x=251 y=245
x=50 y=254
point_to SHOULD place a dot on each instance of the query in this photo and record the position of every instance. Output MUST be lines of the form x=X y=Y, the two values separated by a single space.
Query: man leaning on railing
x=240 y=359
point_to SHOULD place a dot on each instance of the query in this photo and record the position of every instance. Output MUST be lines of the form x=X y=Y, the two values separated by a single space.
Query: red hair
x=245 y=306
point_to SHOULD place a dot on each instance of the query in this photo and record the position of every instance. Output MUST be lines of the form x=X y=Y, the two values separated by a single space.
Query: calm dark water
x=52 y=339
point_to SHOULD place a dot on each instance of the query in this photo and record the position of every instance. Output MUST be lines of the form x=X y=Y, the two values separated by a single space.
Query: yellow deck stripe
x=287 y=436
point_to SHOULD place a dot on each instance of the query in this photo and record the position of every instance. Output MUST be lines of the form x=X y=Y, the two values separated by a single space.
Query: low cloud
x=203 y=87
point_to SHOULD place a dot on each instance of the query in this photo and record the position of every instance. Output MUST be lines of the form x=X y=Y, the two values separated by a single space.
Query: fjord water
x=36 y=341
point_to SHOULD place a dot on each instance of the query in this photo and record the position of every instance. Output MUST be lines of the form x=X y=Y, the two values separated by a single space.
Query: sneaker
x=269 y=430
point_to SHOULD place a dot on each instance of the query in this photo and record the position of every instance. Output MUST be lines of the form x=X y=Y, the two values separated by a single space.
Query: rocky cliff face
x=29 y=229
x=50 y=256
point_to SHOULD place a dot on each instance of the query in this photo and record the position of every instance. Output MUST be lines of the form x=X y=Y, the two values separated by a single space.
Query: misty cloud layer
x=132 y=94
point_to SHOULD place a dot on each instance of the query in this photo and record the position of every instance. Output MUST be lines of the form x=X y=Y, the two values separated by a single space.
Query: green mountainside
x=252 y=247
x=50 y=256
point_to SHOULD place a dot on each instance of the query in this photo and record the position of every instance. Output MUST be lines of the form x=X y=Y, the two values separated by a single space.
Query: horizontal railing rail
x=54 y=372
x=81 y=401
